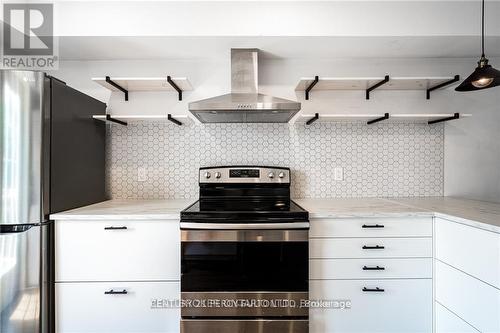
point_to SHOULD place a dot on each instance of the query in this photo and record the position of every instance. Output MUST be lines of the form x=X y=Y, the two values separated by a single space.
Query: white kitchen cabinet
x=469 y=249
x=448 y=322
x=108 y=272
x=372 y=227
x=404 y=306
x=380 y=268
x=331 y=248
x=85 y=308
x=117 y=250
x=339 y=249
x=467 y=277
x=472 y=300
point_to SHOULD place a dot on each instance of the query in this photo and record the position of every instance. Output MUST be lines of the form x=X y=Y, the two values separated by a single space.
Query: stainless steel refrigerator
x=52 y=159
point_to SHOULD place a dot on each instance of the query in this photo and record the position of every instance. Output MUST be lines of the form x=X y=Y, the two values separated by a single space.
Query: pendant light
x=484 y=75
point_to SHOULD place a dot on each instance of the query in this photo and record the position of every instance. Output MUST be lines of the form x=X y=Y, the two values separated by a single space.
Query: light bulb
x=482 y=82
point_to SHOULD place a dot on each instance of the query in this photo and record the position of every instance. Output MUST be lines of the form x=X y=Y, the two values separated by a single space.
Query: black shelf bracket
x=308 y=89
x=455 y=116
x=313 y=119
x=117 y=86
x=172 y=119
x=175 y=86
x=386 y=116
x=375 y=86
x=441 y=85
x=116 y=121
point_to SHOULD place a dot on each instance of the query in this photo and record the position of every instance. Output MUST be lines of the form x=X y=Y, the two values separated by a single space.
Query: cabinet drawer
x=336 y=248
x=472 y=250
x=106 y=251
x=372 y=227
x=448 y=322
x=404 y=306
x=472 y=300
x=84 y=307
x=370 y=268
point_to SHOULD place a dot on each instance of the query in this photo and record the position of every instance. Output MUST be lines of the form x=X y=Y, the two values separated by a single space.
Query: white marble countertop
x=481 y=214
x=127 y=210
x=358 y=207
x=484 y=215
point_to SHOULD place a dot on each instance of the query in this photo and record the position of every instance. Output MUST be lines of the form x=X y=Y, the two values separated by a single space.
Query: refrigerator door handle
x=15 y=228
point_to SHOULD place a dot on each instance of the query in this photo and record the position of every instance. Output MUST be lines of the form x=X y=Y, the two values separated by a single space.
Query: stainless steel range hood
x=244 y=104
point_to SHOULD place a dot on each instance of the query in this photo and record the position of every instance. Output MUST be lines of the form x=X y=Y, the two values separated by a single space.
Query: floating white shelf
x=185 y=120
x=429 y=84
x=339 y=83
x=395 y=83
x=411 y=118
x=128 y=84
x=144 y=83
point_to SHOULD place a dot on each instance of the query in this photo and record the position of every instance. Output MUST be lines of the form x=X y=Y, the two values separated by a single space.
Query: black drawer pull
x=115 y=228
x=376 y=268
x=376 y=247
x=376 y=290
x=372 y=226
x=113 y=292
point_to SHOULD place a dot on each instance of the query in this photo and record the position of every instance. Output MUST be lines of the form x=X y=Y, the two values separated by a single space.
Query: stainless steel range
x=244 y=254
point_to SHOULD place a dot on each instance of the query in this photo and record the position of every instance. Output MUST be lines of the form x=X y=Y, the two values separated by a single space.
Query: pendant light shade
x=484 y=75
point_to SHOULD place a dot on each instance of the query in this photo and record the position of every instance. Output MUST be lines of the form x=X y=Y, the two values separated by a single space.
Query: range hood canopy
x=244 y=104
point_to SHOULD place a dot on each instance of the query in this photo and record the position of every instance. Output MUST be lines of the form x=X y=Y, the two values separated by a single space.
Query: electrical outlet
x=338 y=174
x=142 y=174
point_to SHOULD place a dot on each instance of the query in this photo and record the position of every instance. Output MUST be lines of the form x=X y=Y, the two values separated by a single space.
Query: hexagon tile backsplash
x=386 y=159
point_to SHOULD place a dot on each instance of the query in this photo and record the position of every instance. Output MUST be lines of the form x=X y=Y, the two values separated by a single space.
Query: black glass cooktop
x=244 y=210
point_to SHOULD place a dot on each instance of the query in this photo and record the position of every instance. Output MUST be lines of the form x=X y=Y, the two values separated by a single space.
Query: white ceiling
x=116 y=48
x=274 y=18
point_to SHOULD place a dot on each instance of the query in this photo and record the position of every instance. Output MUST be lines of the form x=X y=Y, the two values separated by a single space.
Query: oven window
x=244 y=266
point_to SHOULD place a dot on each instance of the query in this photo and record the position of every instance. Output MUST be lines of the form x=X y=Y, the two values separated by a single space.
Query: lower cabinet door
x=381 y=268
x=117 y=307
x=346 y=248
x=448 y=322
x=474 y=301
x=397 y=306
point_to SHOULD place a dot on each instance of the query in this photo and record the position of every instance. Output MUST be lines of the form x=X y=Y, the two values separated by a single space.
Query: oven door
x=244 y=273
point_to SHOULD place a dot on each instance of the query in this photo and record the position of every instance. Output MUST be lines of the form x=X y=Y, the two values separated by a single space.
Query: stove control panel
x=244 y=174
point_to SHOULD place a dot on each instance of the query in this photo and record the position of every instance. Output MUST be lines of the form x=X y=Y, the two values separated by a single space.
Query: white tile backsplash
x=385 y=159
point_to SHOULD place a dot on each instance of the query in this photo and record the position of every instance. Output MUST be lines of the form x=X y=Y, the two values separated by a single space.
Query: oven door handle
x=256 y=235
x=244 y=226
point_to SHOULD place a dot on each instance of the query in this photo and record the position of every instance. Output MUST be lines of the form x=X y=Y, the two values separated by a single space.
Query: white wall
x=472 y=146
x=472 y=150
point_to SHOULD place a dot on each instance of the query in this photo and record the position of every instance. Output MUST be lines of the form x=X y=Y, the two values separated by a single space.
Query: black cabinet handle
x=376 y=268
x=372 y=226
x=376 y=290
x=376 y=247
x=115 y=228
x=113 y=292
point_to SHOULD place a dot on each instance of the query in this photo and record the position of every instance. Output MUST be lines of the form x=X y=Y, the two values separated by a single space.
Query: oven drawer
x=404 y=306
x=244 y=304
x=244 y=326
x=117 y=250
x=384 y=268
x=93 y=308
x=372 y=227
x=333 y=248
